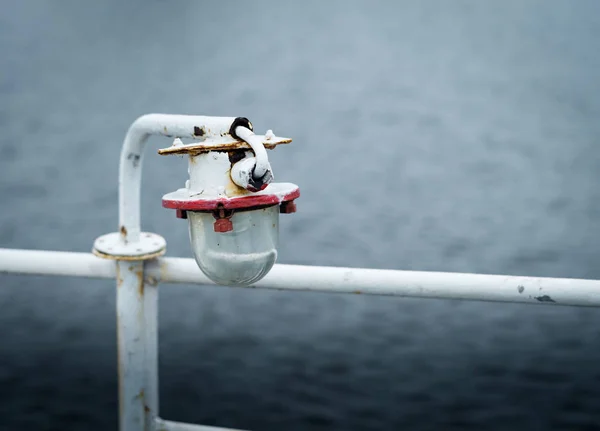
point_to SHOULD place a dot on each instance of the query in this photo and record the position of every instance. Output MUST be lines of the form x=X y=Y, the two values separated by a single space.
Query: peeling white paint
x=280 y=190
x=209 y=173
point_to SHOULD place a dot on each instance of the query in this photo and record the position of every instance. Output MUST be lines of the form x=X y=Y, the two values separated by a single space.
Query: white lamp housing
x=233 y=217
x=241 y=256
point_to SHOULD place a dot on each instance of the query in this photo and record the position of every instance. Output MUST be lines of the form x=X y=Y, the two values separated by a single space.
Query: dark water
x=455 y=136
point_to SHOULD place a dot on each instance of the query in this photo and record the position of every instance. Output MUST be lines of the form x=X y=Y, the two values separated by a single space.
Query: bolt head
x=287 y=207
x=223 y=225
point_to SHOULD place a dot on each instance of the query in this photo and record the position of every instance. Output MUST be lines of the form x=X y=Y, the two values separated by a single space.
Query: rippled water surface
x=447 y=136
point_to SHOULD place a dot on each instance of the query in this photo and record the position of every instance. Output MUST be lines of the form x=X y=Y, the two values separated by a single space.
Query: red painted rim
x=249 y=201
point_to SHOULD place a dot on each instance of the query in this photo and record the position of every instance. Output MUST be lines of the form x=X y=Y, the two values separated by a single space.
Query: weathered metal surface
x=112 y=246
x=243 y=175
x=131 y=345
x=209 y=174
x=274 y=194
x=130 y=168
x=417 y=284
x=137 y=343
x=225 y=143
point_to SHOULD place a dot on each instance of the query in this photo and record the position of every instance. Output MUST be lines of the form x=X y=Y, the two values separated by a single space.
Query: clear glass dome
x=239 y=257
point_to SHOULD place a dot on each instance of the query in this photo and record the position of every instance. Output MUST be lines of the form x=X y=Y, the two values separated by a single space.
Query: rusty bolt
x=287 y=207
x=223 y=225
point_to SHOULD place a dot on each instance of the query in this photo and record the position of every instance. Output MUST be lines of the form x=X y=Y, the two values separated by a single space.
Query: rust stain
x=119 y=279
x=146 y=408
x=193 y=159
x=232 y=189
x=199 y=131
x=165 y=129
x=151 y=280
x=164 y=270
x=140 y=276
x=358 y=292
x=218 y=146
x=123 y=231
x=129 y=258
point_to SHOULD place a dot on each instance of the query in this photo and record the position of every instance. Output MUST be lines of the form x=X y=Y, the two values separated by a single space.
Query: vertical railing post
x=137 y=298
x=137 y=348
x=151 y=344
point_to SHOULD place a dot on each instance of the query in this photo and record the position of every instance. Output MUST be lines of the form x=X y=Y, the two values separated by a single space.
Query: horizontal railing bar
x=42 y=262
x=163 y=425
x=443 y=285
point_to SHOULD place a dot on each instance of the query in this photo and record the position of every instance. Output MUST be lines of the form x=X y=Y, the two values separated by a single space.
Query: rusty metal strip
x=218 y=145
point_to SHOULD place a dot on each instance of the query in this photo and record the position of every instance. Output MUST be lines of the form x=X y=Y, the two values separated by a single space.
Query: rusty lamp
x=231 y=204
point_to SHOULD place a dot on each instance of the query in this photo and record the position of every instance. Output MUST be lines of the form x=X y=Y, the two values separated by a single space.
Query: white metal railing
x=142 y=368
x=416 y=284
x=132 y=258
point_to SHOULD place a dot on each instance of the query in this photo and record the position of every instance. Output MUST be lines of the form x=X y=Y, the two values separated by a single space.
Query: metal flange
x=111 y=246
x=274 y=194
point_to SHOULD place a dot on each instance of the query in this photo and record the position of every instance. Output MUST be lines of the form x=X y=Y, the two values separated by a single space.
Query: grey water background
x=445 y=136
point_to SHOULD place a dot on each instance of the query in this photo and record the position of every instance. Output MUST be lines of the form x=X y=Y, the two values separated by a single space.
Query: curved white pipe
x=418 y=284
x=262 y=160
x=130 y=169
